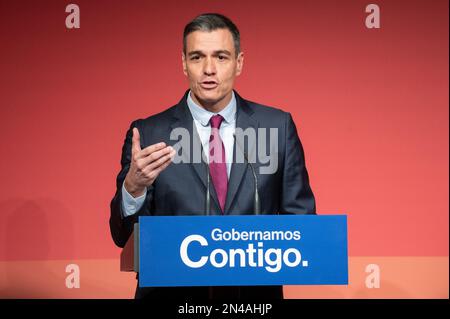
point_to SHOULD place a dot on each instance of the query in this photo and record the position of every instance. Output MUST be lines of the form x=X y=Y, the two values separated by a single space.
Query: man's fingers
x=160 y=163
x=148 y=151
x=164 y=160
x=163 y=166
x=152 y=148
x=135 y=141
x=154 y=156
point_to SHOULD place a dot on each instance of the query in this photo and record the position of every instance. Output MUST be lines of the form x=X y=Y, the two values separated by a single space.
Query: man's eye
x=222 y=57
x=195 y=57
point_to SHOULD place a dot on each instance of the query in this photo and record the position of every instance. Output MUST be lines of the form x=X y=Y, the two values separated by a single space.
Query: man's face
x=211 y=65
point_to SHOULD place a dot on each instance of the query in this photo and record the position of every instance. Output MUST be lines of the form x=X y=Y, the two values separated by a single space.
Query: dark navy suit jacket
x=180 y=189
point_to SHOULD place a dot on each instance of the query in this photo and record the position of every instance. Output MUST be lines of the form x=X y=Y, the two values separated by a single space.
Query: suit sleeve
x=297 y=196
x=120 y=224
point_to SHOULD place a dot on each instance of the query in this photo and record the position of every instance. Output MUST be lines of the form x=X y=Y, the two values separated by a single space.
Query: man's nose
x=209 y=67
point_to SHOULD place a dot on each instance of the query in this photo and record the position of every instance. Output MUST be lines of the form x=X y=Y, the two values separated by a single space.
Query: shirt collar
x=203 y=116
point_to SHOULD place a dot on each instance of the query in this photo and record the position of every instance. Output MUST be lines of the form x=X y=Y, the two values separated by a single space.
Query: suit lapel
x=183 y=119
x=244 y=120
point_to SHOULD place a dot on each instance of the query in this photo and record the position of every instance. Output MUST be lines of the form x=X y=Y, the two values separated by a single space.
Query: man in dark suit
x=156 y=179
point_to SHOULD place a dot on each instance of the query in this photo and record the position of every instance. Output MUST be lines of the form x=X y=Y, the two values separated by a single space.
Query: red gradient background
x=371 y=108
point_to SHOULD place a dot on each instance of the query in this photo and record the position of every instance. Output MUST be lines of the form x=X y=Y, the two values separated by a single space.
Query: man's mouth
x=209 y=85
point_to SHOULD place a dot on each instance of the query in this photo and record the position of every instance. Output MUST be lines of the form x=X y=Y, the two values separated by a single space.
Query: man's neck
x=214 y=107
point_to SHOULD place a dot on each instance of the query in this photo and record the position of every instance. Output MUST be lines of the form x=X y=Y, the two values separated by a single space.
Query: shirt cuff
x=131 y=205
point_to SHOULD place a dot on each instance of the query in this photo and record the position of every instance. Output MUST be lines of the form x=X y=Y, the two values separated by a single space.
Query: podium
x=238 y=250
x=129 y=257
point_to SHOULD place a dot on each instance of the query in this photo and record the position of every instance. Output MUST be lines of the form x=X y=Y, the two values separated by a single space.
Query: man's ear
x=240 y=63
x=183 y=59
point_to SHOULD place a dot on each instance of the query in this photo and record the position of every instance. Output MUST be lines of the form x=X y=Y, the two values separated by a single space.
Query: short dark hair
x=210 y=22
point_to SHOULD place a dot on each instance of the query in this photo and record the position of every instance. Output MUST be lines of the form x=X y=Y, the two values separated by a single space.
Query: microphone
x=208 y=185
x=208 y=196
x=256 y=204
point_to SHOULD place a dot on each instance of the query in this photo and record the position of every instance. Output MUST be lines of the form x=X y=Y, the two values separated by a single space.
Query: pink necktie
x=217 y=164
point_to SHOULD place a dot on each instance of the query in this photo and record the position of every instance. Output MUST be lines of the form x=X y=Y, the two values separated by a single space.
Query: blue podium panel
x=242 y=250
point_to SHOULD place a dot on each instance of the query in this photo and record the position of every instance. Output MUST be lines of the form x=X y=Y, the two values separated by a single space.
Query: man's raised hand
x=146 y=164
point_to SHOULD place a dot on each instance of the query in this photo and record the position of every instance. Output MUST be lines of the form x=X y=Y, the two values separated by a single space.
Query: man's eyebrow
x=222 y=52
x=198 y=52
x=195 y=52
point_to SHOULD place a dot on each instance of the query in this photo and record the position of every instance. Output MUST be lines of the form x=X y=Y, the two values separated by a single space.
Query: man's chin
x=209 y=99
